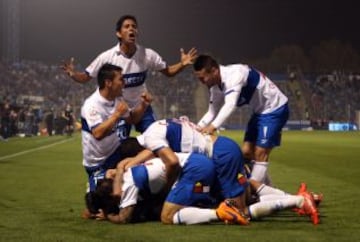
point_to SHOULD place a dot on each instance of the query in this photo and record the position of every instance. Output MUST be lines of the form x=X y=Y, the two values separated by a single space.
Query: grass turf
x=42 y=194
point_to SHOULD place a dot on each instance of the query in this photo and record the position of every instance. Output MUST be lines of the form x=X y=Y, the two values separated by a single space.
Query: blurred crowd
x=175 y=96
x=34 y=97
x=335 y=96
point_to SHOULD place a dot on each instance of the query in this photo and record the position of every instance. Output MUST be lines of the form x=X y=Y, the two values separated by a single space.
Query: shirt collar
x=103 y=100
x=118 y=51
x=222 y=70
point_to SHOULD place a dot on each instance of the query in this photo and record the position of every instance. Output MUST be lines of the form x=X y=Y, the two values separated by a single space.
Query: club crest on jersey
x=93 y=112
x=241 y=179
x=198 y=187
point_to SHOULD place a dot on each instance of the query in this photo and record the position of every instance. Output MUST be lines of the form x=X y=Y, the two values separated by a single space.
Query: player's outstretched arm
x=69 y=68
x=185 y=60
x=123 y=217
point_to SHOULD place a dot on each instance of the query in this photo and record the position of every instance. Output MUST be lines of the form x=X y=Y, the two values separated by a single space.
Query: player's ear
x=215 y=71
x=118 y=34
x=108 y=82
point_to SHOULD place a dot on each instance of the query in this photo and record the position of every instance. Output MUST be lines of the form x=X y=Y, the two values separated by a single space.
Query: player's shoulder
x=146 y=51
x=233 y=68
x=91 y=100
x=109 y=52
x=234 y=72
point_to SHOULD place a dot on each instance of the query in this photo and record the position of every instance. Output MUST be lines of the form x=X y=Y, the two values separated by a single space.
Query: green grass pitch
x=42 y=183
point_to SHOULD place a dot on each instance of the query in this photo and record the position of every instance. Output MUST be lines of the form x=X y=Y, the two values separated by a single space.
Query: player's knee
x=247 y=152
x=262 y=154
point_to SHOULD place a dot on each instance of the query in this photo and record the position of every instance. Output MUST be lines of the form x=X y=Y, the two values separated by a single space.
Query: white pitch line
x=35 y=149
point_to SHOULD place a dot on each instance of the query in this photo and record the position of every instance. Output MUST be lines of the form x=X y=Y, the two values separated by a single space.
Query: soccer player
x=135 y=61
x=123 y=194
x=70 y=118
x=234 y=86
x=190 y=201
x=192 y=190
x=179 y=205
x=104 y=115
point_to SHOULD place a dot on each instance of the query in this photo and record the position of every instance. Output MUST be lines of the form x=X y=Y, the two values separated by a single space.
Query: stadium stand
x=31 y=90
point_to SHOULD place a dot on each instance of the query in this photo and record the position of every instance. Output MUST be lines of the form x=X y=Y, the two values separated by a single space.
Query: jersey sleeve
x=130 y=193
x=233 y=81
x=228 y=107
x=155 y=61
x=95 y=65
x=92 y=116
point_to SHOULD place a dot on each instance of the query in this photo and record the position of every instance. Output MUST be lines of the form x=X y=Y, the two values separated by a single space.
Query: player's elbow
x=173 y=162
x=168 y=72
x=97 y=134
x=119 y=220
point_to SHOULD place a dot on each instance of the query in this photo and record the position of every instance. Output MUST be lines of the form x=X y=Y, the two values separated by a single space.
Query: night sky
x=231 y=30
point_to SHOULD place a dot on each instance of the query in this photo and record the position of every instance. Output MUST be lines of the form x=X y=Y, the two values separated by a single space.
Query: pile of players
x=178 y=171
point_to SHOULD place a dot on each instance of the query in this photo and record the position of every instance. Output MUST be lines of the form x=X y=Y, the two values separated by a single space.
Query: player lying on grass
x=126 y=149
x=133 y=196
x=190 y=201
x=164 y=137
x=119 y=198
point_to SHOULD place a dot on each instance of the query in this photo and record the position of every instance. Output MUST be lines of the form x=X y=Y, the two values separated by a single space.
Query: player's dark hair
x=122 y=19
x=92 y=203
x=104 y=198
x=205 y=61
x=107 y=72
x=130 y=147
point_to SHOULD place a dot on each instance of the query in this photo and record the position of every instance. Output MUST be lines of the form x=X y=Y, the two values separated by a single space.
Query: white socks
x=266 y=190
x=259 y=171
x=193 y=215
x=276 y=203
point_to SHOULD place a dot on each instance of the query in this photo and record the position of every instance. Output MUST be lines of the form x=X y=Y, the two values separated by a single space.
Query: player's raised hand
x=68 y=66
x=189 y=57
x=122 y=109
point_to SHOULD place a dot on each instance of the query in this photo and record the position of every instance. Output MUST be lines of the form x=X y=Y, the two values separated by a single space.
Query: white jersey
x=95 y=110
x=151 y=175
x=134 y=68
x=179 y=134
x=241 y=85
